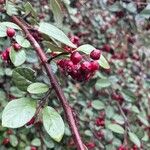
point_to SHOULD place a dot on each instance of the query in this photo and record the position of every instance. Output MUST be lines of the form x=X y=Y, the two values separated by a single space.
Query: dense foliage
x=99 y=51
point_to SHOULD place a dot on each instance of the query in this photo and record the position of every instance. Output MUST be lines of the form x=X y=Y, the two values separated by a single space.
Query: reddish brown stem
x=54 y=83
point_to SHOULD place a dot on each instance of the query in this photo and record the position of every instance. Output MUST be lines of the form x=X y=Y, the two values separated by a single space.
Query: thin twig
x=61 y=54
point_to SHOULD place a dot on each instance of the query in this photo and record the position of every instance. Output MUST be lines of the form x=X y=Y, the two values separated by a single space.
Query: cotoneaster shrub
x=106 y=104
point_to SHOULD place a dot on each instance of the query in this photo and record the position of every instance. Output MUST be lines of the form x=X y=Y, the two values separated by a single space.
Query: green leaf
x=55 y=33
x=23 y=77
x=128 y=95
x=22 y=41
x=103 y=62
x=52 y=47
x=102 y=83
x=146 y=12
x=13 y=140
x=116 y=128
x=10 y=25
x=143 y=120
x=29 y=9
x=53 y=123
x=98 y=105
x=37 y=88
x=57 y=11
x=133 y=137
x=36 y=142
x=135 y=109
x=17 y=58
x=118 y=118
x=109 y=111
x=18 y=112
x=87 y=49
x=10 y=8
x=3 y=30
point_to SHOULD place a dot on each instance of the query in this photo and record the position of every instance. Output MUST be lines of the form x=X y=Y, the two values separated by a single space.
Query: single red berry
x=6 y=141
x=90 y=145
x=9 y=132
x=76 y=57
x=16 y=46
x=94 y=65
x=5 y=54
x=61 y=63
x=100 y=122
x=95 y=54
x=86 y=66
x=135 y=147
x=10 y=32
x=75 y=40
x=31 y=121
x=121 y=147
x=106 y=48
x=2 y=1
x=33 y=148
x=68 y=66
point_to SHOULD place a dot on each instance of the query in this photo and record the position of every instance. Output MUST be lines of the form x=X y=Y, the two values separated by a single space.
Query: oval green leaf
x=53 y=123
x=133 y=137
x=55 y=33
x=10 y=25
x=37 y=88
x=116 y=128
x=17 y=58
x=18 y=112
x=23 y=77
x=98 y=105
x=22 y=41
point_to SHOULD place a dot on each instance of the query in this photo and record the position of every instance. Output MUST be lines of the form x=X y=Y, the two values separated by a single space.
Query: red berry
x=76 y=57
x=94 y=65
x=90 y=145
x=121 y=147
x=106 y=48
x=5 y=54
x=31 y=121
x=16 y=46
x=95 y=54
x=5 y=141
x=2 y=1
x=86 y=66
x=9 y=132
x=33 y=148
x=100 y=122
x=68 y=66
x=10 y=32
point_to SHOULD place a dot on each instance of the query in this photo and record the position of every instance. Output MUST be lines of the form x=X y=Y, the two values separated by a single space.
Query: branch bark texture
x=54 y=83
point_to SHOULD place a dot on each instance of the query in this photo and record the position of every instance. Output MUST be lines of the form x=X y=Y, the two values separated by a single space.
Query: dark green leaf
x=23 y=77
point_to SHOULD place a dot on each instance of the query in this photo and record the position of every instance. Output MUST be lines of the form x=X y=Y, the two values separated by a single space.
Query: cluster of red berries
x=100 y=121
x=5 y=54
x=78 y=67
x=118 y=97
